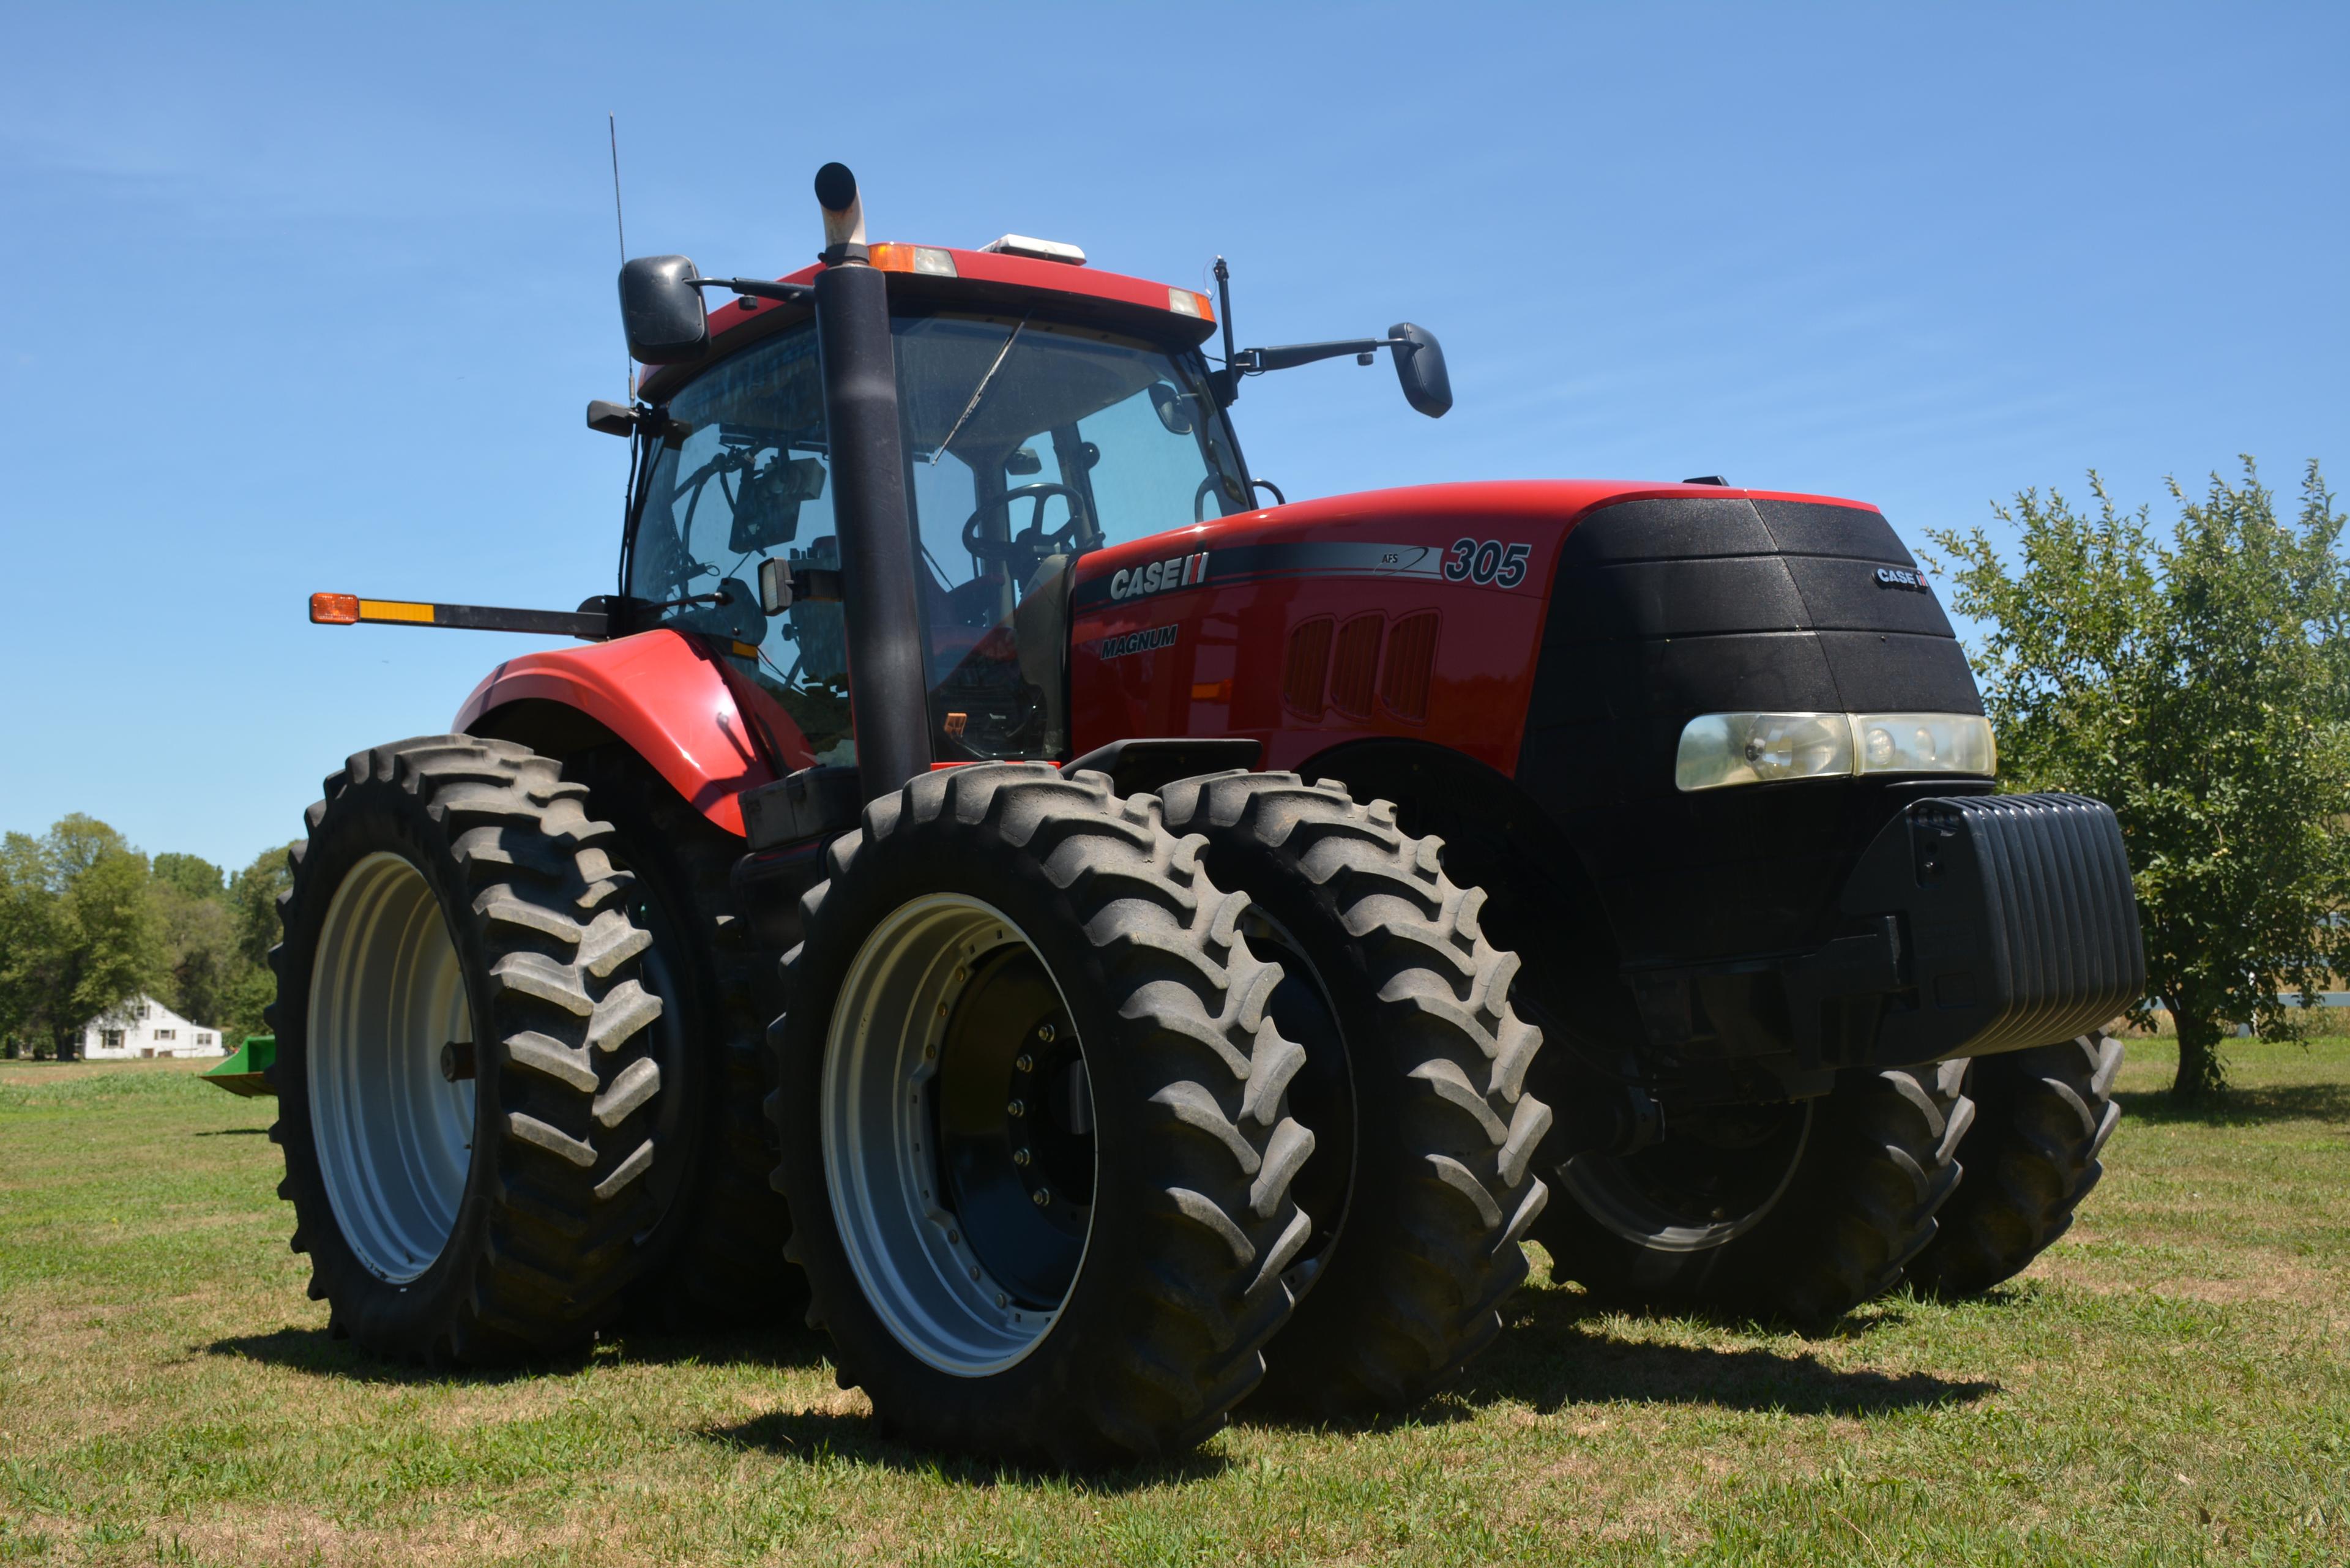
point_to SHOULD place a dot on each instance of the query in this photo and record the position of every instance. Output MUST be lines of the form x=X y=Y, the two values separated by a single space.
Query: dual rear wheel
x=512 y=1062
x=1048 y=1111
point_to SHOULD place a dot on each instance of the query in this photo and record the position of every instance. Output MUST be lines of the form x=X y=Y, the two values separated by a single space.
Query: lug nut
x=1021 y=1157
x=1045 y=1033
x=1041 y=1198
x=1024 y=1063
x=955 y=1237
x=1001 y=1300
x=1016 y=1109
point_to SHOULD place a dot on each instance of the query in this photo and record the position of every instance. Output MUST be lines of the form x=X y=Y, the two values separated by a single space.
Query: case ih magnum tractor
x=1102 y=946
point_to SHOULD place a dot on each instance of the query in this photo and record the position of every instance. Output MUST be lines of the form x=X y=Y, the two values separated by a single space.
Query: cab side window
x=750 y=481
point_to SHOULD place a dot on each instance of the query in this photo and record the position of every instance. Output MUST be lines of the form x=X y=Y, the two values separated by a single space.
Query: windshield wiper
x=976 y=393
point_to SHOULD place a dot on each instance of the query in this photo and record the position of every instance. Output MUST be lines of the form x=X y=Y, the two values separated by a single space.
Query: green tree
x=200 y=957
x=2200 y=686
x=253 y=895
x=28 y=922
x=195 y=876
x=84 y=935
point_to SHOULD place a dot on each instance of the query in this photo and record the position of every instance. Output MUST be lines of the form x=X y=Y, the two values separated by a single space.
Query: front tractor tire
x=1422 y=1182
x=466 y=1070
x=1032 y=1110
x=2042 y=1119
x=1799 y=1212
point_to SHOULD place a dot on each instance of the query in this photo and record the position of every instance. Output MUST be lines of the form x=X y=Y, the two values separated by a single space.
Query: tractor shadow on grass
x=1549 y=1357
x=826 y=1436
x=321 y=1352
x=2239 y=1107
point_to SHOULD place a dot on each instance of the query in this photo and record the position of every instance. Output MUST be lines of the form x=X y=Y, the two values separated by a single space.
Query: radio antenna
x=620 y=227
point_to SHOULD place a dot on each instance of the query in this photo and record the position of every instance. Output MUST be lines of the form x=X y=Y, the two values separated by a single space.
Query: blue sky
x=312 y=298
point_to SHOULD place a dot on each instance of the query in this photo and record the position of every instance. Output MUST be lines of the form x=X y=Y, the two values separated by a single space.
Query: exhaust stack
x=888 y=697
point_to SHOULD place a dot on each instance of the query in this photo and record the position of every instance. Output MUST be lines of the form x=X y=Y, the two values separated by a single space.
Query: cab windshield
x=1028 y=443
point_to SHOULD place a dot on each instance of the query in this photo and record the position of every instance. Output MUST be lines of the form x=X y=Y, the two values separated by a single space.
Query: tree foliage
x=253 y=895
x=2201 y=686
x=192 y=875
x=81 y=933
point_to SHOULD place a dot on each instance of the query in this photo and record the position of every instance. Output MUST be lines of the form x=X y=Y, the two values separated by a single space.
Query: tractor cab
x=1033 y=434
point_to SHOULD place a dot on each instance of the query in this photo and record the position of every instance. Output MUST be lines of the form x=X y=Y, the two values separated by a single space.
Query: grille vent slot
x=1412 y=657
x=1308 y=663
x=1356 y=666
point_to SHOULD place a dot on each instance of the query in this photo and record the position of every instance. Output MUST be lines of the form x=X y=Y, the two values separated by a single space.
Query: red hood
x=1422 y=512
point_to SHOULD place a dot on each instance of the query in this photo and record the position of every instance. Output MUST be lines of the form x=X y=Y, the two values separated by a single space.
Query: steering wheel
x=1032 y=544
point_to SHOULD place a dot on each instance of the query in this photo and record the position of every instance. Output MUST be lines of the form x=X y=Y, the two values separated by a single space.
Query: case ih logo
x=1175 y=572
x=1898 y=578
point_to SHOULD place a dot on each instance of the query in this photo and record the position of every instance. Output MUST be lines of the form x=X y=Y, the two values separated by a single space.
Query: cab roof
x=989 y=281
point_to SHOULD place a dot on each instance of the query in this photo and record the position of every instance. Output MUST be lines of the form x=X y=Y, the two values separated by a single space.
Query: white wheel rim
x=920 y=1274
x=394 y=1137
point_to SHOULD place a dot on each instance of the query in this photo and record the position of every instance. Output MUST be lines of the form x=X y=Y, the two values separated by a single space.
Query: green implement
x=246 y=1069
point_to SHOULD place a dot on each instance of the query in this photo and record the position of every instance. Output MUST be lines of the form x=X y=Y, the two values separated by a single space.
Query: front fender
x=668 y=698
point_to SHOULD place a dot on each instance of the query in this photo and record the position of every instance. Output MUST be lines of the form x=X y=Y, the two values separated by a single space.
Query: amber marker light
x=400 y=610
x=929 y=259
x=333 y=609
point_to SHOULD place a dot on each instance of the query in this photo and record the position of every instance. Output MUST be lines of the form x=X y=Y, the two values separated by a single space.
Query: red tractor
x=1105 y=947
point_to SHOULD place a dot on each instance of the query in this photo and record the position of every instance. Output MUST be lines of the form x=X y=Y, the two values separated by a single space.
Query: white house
x=145 y=1027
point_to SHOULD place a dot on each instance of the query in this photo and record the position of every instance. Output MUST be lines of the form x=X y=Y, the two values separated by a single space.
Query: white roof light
x=1043 y=250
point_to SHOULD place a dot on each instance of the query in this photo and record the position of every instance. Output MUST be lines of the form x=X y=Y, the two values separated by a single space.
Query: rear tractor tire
x=467 y=1070
x=1421 y=1184
x=2041 y=1118
x=1032 y=1110
x=719 y=1263
x=1797 y=1213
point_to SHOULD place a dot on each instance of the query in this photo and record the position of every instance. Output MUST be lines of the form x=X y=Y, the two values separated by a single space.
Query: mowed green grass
x=2170 y=1383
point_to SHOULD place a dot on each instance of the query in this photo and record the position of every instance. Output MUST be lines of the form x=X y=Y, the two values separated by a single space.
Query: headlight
x=1723 y=749
x=1922 y=744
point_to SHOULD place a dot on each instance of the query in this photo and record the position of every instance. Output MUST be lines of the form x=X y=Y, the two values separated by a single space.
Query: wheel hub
x=1714 y=1176
x=1014 y=1120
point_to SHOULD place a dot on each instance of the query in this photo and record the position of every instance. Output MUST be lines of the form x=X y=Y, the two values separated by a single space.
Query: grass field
x=2170 y=1383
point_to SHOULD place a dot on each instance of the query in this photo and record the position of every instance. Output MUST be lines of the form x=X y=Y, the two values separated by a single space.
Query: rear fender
x=670 y=700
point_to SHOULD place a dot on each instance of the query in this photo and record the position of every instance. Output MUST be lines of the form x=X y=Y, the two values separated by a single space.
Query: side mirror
x=774 y=586
x=660 y=310
x=1420 y=365
x=1169 y=404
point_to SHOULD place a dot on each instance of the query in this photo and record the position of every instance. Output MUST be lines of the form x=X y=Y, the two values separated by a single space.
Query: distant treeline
x=87 y=922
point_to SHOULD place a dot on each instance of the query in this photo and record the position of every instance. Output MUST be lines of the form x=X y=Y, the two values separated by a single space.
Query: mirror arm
x=1257 y=361
x=619 y=419
x=789 y=292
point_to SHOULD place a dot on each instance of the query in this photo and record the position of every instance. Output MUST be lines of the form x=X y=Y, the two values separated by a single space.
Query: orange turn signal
x=333 y=609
